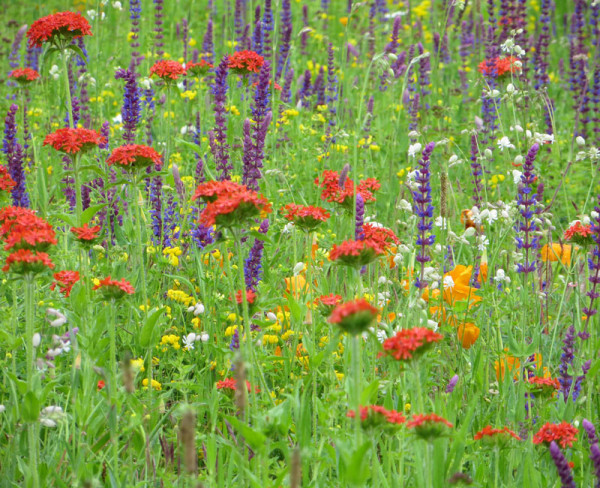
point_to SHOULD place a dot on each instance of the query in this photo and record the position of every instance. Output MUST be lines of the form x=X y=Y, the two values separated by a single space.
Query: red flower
x=167 y=69
x=72 y=141
x=499 y=66
x=27 y=261
x=101 y=384
x=327 y=303
x=356 y=253
x=306 y=218
x=333 y=192
x=353 y=317
x=384 y=237
x=198 y=69
x=135 y=156
x=374 y=415
x=488 y=431
x=579 y=233
x=65 y=281
x=407 y=343
x=114 y=289
x=275 y=85
x=86 y=233
x=6 y=182
x=548 y=384
x=230 y=384
x=245 y=62
x=24 y=75
x=428 y=426
x=27 y=231
x=250 y=296
x=58 y=28
x=564 y=433
x=229 y=203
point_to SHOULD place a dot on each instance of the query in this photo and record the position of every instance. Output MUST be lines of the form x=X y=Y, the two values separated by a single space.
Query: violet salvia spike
x=452 y=384
x=253 y=265
x=158 y=28
x=564 y=471
x=220 y=145
x=131 y=109
x=135 y=13
x=594 y=267
x=208 y=49
x=360 y=218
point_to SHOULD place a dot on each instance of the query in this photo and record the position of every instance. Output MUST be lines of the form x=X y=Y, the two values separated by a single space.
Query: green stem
x=32 y=437
x=78 y=200
x=63 y=57
x=113 y=421
x=310 y=334
x=356 y=387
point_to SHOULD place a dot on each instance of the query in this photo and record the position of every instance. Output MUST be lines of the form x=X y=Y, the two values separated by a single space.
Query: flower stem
x=113 y=419
x=32 y=437
x=63 y=57
x=356 y=387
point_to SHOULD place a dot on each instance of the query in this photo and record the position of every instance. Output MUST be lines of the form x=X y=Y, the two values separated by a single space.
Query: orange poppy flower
x=555 y=252
x=296 y=284
x=468 y=333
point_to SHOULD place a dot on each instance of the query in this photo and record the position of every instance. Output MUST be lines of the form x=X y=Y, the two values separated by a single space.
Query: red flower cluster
x=327 y=303
x=134 y=156
x=373 y=415
x=544 y=383
x=27 y=261
x=489 y=431
x=354 y=317
x=408 y=343
x=72 y=141
x=198 y=69
x=22 y=229
x=230 y=384
x=245 y=62
x=250 y=296
x=6 y=182
x=65 y=281
x=24 y=75
x=229 y=203
x=499 y=66
x=333 y=192
x=114 y=289
x=428 y=426
x=382 y=236
x=86 y=233
x=58 y=27
x=356 y=253
x=579 y=233
x=167 y=69
x=564 y=433
x=306 y=218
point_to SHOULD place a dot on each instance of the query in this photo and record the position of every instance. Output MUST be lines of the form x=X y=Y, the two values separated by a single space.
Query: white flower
x=55 y=72
x=488 y=153
x=299 y=268
x=272 y=317
x=518 y=128
x=483 y=242
x=59 y=318
x=580 y=141
x=441 y=222
x=287 y=228
x=453 y=159
x=519 y=159
x=47 y=422
x=118 y=119
x=448 y=283
x=516 y=176
x=204 y=337
x=92 y=14
x=383 y=280
x=432 y=324
x=197 y=309
x=504 y=143
x=117 y=6
x=510 y=89
x=2 y=408
x=470 y=232
x=145 y=83
x=501 y=276
x=404 y=205
x=188 y=340
x=413 y=149
x=493 y=216
x=36 y=340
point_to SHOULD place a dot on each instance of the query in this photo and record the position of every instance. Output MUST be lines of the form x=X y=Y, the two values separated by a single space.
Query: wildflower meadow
x=300 y=243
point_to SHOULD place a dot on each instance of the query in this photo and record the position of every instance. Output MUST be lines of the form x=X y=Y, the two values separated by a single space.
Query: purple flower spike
x=218 y=137
x=452 y=384
x=564 y=471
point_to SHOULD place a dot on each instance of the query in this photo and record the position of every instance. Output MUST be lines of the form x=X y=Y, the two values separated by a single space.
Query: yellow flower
x=344 y=21
x=181 y=297
x=189 y=94
x=270 y=339
x=155 y=384
x=137 y=364
x=49 y=170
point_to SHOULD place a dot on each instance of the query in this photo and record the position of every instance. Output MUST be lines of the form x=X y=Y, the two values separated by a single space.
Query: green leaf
x=369 y=394
x=77 y=50
x=49 y=52
x=256 y=440
x=31 y=407
x=66 y=218
x=148 y=328
x=89 y=212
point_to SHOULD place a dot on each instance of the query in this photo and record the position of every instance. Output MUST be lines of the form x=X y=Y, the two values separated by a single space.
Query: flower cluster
x=305 y=217
x=499 y=66
x=428 y=426
x=245 y=62
x=356 y=253
x=564 y=433
x=114 y=289
x=72 y=141
x=24 y=75
x=353 y=317
x=86 y=233
x=134 y=156
x=409 y=343
x=198 y=69
x=229 y=204
x=327 y=303
x=375 y=415
x=489 y=431
x=6 y=182
x=168 y=70
x=58 y=28
x=338 y=189
x=579 y=233
x=65 y=281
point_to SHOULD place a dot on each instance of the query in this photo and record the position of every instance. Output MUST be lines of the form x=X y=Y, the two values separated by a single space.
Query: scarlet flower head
x=245 y=62
x=382 y=236
x=230 y=204
x=114 y=289
x=410 y=343
x=135 y=156
x=72 y=141
x=229 y=384
x=564 y=433
x=305 y=217
x=354 y=317
x=101 y=384
x=27 y=231
x=429 y=426
x=376 y=416
x=65 y=281
x=6 y=182
x=327 y=303
x=499 y=66
x=579 y=234
x=543 y=386
x=344 y=194
x=250 y=296
x=495 y=437
x=24 y=76
x=168 y=70
x=86 y=233
x=356 y=253
x=58 y=29
x=198 y=69
x=25 y=261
